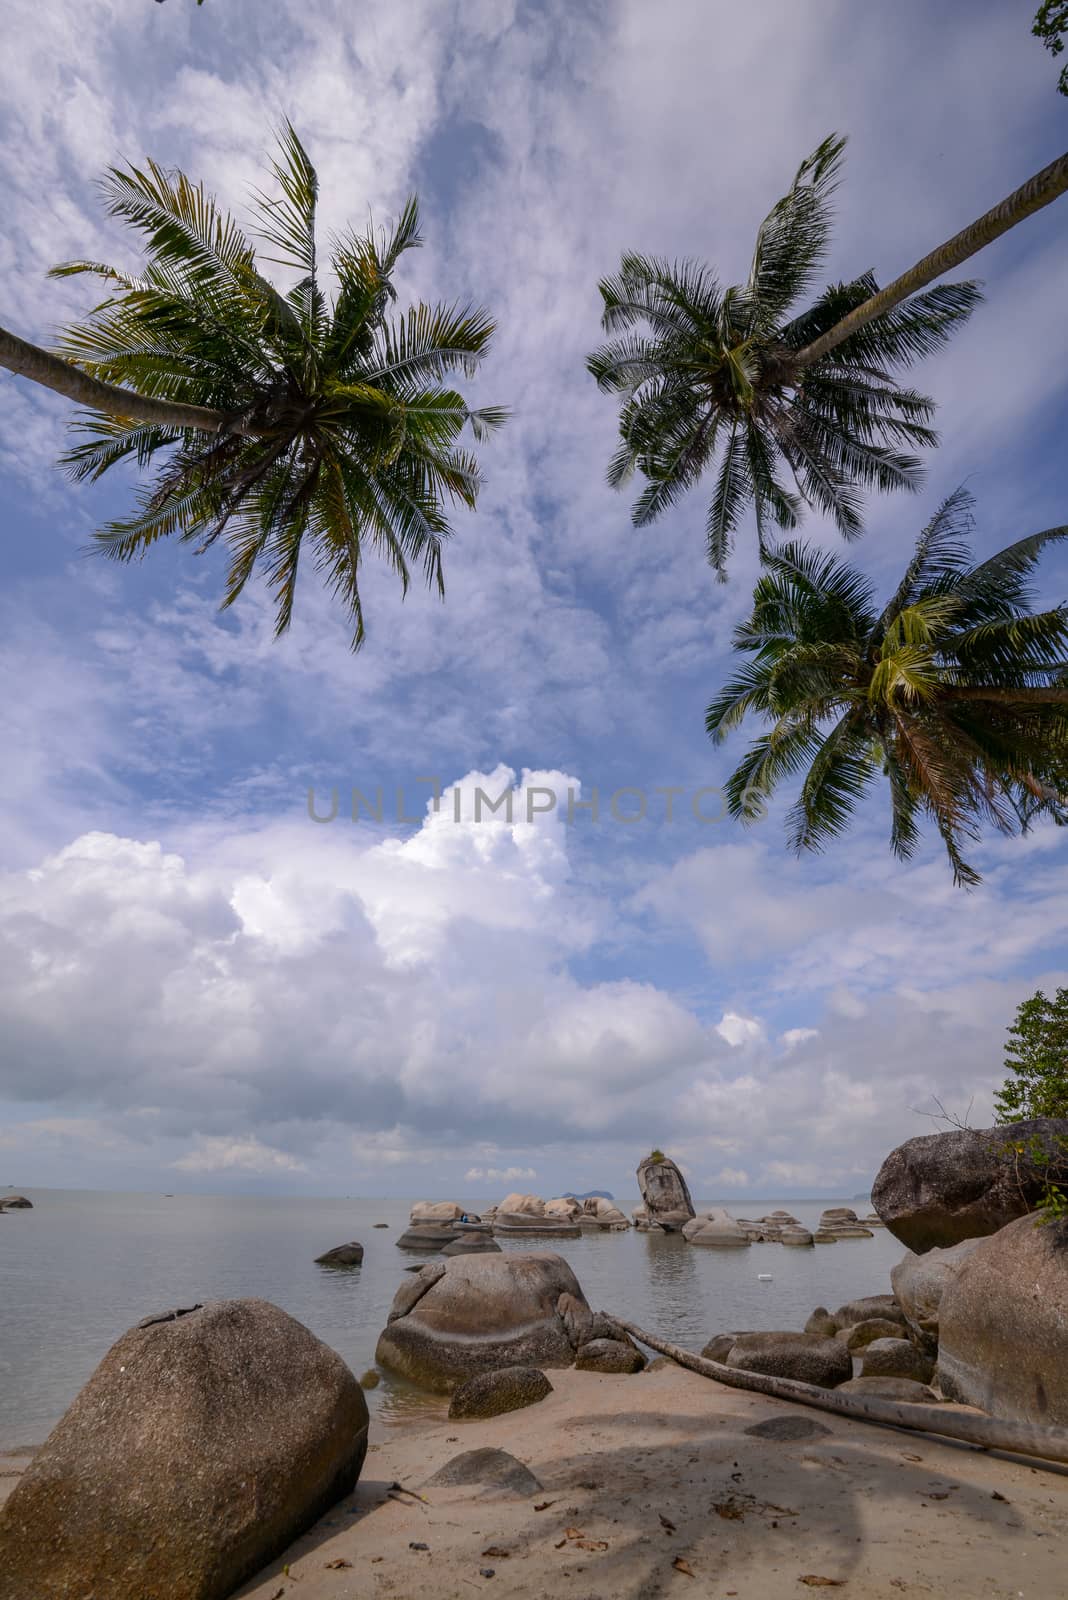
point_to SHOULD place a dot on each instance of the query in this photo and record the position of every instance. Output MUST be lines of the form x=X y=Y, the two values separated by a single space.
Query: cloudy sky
x=203 y=988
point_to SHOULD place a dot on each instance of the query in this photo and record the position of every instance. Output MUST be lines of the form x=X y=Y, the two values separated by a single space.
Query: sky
x=202 y=987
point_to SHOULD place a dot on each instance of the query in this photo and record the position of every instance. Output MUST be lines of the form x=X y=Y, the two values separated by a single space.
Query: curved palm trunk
x=1037 y=192
x=41 y=366
x=990 y=1433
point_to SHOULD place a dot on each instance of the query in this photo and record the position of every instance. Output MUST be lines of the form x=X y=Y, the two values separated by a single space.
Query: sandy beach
x=653 y=1485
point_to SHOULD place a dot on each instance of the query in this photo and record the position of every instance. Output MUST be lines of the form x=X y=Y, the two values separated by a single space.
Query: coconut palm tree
x=289 y=426
x=955 y=691
x=788 y=406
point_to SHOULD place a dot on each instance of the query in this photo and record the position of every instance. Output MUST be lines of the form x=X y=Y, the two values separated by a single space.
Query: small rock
x=495 y=1469
x=609 y=1355
x=863 y=1333
x=342 y=1255
x=822 y=1324
x=490 y=1394
x=825 y=1362
x=897 y=1358
x=371 y=1379
x=471 y=1245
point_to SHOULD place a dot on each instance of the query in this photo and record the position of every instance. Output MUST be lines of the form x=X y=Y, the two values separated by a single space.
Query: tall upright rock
x=663 y=1187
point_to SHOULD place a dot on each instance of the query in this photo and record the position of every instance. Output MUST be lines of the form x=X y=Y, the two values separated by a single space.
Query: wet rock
x=609 y=1355
x=937 y=1189
x=483 y=1312
x=1003 y=1325
x=342 y=1255
x=200 y=1448
x=490 y=1394
x=896 y=1358
x=825 y=1362
x=494 y=1469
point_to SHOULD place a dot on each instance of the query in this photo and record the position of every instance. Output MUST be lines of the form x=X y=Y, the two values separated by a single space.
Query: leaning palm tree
x=291 y=427
x=956 y=691
x=789 y=407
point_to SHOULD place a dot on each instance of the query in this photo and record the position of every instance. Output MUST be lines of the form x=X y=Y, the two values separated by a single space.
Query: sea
x=83 y=1266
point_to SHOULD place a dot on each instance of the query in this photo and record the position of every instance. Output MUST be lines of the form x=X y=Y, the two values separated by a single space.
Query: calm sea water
x=82 y=1267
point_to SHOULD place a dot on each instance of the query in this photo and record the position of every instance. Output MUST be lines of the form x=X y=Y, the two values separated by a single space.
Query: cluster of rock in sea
x=258 y=1428
x=667 y=1208
x=443 y=1225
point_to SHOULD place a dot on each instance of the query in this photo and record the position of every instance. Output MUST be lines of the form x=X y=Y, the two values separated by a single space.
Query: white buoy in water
x=763 y=1277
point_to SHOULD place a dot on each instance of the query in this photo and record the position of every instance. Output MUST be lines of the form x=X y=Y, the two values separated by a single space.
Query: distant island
x=591 y=1194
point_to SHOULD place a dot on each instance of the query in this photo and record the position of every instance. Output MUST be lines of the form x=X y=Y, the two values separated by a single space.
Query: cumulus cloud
x=220 y=1154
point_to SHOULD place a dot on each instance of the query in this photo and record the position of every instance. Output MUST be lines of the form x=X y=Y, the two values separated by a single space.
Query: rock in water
x=808 y=1358
x=482 y=1312
x=470 y=1244
x=435 y=1211
x=937 y=1189
x=1003 y=1325
x=200 y=1448
x=664 y=1192
x=921 y=1281
x=716 y=1229
x=15 y=1202
x=342 y=1255
x=490 y=1394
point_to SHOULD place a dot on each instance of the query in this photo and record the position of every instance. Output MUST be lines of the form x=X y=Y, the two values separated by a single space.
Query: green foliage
x=342 y=432
x=657 y=1156
x=955 y=692
x=1050 y=24
x=709 y=381
x=1037 y=1060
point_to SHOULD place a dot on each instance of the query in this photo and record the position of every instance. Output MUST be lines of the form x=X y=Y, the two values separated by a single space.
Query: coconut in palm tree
x=955 y=692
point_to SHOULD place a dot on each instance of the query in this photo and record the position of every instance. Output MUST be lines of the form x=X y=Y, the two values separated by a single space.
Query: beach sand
x=641 y=1473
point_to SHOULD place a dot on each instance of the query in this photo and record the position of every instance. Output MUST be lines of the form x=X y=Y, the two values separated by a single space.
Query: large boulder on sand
x=204 y=1443
x=921 y=1281
x=1003 y=1325
x=609 y=1355
x=940 y=1188
x=804 y=1356
x=667 y=1199
x=481 y=1312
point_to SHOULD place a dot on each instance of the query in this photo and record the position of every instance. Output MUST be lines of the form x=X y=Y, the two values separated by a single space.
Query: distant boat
x=764 y=1277
x=591 y=1194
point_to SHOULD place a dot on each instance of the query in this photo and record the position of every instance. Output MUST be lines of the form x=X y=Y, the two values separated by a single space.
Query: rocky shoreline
x=970 y=1341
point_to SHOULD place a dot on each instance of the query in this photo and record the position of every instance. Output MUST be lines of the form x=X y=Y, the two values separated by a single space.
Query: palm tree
x=291 y=426
x=956 y=691
x=737 y=379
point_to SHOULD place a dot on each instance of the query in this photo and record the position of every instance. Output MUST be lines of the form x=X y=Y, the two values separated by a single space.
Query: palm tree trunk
x=40 y=366
x=1037 y=192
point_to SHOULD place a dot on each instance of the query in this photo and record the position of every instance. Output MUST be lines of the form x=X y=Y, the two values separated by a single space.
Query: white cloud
x=242 y=1155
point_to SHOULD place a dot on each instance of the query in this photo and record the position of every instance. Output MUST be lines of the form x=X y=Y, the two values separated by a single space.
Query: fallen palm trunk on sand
x=991 y=1433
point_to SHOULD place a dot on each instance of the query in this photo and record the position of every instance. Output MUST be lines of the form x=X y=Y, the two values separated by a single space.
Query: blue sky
x=200 y=987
